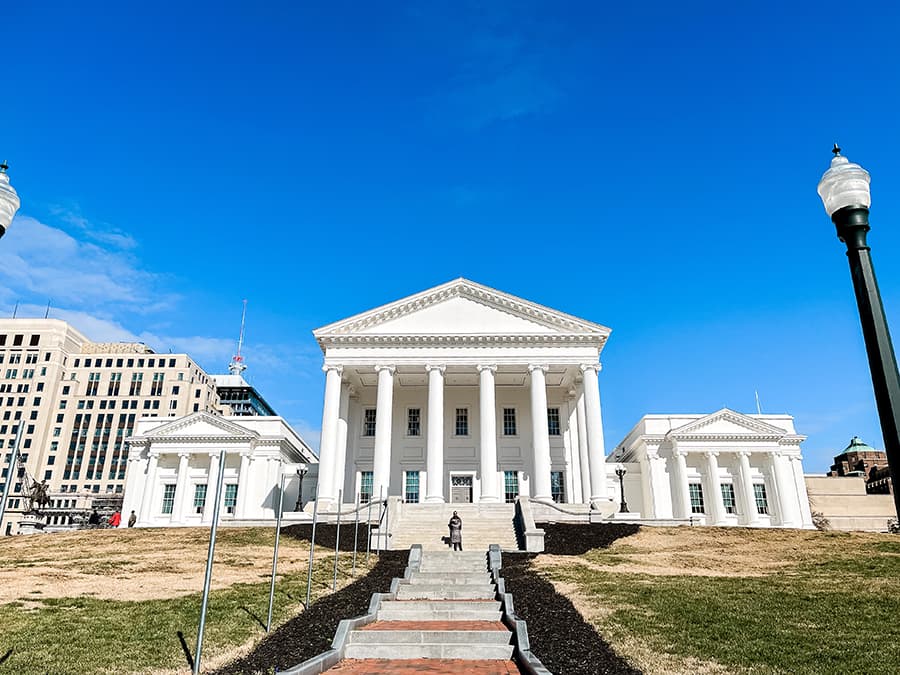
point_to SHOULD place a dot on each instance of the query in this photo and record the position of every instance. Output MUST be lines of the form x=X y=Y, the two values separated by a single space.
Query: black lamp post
x=620 y=472
x=301 y=472
x=844 y=190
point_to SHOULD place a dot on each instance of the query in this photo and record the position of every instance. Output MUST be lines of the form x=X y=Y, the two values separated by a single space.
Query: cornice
x=471 y=340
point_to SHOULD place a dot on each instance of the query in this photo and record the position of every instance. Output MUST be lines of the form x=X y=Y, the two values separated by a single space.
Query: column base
x=435 y=500
x=490 y=499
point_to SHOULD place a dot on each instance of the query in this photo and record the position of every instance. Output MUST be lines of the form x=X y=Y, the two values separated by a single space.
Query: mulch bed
x=326 y=533
x=310 y=633
x=575 y=539
x=560 y=637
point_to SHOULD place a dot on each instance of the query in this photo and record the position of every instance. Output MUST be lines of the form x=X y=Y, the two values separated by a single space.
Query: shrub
x=820 y=521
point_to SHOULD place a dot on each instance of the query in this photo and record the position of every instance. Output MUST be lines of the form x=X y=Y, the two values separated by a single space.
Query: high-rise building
x=240 y=398
x=79 y=400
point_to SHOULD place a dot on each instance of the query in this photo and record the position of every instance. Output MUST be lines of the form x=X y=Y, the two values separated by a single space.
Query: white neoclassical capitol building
x=462 y=393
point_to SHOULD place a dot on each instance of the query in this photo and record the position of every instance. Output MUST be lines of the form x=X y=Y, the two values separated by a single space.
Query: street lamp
x=301 y=472
x=9 y=200
x=844 y=190
x=620 y=472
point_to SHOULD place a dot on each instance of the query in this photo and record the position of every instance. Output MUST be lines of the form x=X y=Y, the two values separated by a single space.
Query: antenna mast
x=237 y=365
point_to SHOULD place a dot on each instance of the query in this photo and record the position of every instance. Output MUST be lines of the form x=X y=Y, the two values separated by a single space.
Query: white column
x=661 y=495
x=540 y=478
x=135 y=484
x=583 y=454
x=796 y=462
x=682 y=497
x=240 y=509
x=211 y=480
x=341 y=455
x=329 y=441
x=787 y=507
x=594 y=420
x=717 y=506
x=149 y=488
x=434 y=457
x=181 y=488
x=751 y=514
x=381 y=465
x=487 y=401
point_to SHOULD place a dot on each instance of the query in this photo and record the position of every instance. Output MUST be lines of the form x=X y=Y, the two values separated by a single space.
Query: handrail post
x=275 y=554
x=337 y=540
x=312 y=548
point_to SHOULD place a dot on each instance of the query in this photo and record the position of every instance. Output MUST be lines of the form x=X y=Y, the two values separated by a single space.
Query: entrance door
x=461 y=489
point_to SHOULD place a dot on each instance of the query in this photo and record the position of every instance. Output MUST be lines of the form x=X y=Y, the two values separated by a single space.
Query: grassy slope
x=86 y=635
x=816 y=603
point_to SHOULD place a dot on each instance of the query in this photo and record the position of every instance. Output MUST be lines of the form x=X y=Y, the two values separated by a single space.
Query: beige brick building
x=79 y=400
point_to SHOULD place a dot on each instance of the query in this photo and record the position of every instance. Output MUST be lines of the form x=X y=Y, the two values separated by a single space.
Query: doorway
x=461 y=489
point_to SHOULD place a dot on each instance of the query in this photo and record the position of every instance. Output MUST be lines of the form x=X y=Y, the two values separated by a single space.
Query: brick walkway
x=435 y=625
x=443 y=666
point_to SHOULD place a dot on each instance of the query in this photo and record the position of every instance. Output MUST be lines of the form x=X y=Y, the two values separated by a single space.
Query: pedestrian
x=132 y=519
x=455 y=526
x=94 y=519
x=115 y=519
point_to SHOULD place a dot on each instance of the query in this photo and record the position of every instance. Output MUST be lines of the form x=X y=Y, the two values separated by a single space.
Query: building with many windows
x=79 y=401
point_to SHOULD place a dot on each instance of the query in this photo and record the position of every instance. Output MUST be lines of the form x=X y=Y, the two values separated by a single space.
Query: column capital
x=333 y=366
x=679 y=452
x=246 y=453
x=795 y=458
x=596 y=367
x=153 y=454
x=571 y=394
x=390 y=369
x=184 y=453
x=653 y=455
x=709 y=454
x=536 y=366
x=491 y=367
x=438 y=367
x=743 y=453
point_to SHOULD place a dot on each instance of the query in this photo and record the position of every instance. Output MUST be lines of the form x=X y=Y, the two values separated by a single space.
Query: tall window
x=115 y=381
x=462 y=422
x=414 y=422
x=411 y=494
x=168 y=499
x=553 y=421
x=365 y=486
x=199 y=497
x=136 y=384
x=510 y=486
x=509 y=422
x=230 y=497
x=558 y=486
x=93 y=383
x=762 y=501
x=369 y=422
x=156 y=387
x=696 y=492
x=728 y=498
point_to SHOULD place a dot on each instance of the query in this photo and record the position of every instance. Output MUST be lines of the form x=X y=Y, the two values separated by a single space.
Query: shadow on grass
x=253 y=616
x=310 y=633
x=326 y=534
x=6 y=656
x=576 y=539
x=187 y=650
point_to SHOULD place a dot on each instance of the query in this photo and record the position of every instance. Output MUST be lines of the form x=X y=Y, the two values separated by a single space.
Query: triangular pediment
x=726 y=422
x=462 y=307
x=201 y=424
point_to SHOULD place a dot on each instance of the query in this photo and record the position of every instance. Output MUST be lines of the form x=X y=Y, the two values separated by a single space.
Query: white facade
x=723 y=469
x=463 y=393
x=173 y=466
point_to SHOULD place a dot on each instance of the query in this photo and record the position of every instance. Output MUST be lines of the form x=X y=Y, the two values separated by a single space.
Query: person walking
x=455 y=526
x=115 y=520
x=132 y=519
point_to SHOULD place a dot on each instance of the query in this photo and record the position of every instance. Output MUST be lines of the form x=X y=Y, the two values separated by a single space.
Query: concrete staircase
x=445 y=610
x=483 y=525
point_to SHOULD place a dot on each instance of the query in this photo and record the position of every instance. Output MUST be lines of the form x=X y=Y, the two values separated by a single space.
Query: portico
x=462 y=393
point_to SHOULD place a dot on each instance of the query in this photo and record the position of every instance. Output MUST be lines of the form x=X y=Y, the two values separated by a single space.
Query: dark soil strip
x=565 y=539
x=310 y=633
x=326 y=533
x=564 y=642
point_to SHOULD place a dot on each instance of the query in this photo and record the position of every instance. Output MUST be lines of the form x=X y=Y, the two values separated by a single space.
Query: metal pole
x=852 y=227
x=369 y=534
x=209 y=561
x=355 y=536
x=275 y=554
x=11 y=474
x=380 y=517
x=312 y=548
x=387 y=525
x=337 y=540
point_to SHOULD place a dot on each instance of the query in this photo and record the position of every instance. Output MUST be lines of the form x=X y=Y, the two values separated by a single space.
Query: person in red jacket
x=115 y=520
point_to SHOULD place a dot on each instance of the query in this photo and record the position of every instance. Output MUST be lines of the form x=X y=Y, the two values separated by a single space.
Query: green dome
x=857 y=445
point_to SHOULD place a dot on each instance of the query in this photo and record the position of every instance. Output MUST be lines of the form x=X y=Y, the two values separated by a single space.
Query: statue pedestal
x=31 y=523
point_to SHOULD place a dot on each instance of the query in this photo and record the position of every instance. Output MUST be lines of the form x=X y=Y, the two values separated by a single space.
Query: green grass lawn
x=829 y=602
x=84 y=635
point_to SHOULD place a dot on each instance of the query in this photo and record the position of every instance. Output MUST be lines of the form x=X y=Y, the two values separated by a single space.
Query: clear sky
x=652 y=168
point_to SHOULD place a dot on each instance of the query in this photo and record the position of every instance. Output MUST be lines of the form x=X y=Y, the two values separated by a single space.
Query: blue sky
x=652 y=168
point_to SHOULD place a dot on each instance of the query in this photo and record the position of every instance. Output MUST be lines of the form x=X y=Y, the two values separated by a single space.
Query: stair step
x=401 y=614
x=449 y=578
x=429 y=651
x=437 y=592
